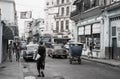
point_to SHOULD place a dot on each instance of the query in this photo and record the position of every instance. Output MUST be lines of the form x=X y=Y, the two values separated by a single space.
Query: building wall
x=0 y=38
x=52 y=17
x=89 y=23
x=8 y=15
x=7 y=11
x=112 y=19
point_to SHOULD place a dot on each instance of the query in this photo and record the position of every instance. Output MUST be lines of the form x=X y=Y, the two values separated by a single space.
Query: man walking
x=10 y=50
x=41 y=60
x=18 y=49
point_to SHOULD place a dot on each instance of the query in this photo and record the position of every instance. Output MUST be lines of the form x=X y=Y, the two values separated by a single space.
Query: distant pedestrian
x=14 y=48
x=91 y=48
x=41 y=60
x=10 y=50
x=18 y=49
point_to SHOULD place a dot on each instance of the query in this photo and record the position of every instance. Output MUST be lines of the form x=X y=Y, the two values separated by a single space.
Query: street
x=58 y=68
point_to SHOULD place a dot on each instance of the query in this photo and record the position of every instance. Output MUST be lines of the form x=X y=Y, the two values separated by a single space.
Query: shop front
x=88 y=34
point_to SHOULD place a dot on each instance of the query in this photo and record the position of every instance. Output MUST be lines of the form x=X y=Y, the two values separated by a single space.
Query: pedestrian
x=14 y=48
x=18 y=49
x=91 y=47
x=41 y=61
x=10 y=50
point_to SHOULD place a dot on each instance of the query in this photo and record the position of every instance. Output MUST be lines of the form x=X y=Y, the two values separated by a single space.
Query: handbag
x=36 y=57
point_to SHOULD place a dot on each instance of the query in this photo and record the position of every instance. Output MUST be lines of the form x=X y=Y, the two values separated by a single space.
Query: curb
x=113 y=65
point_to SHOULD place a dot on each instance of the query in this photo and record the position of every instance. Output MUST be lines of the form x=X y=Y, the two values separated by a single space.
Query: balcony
x=77 y=15
x=60 y=16
x=74 y=13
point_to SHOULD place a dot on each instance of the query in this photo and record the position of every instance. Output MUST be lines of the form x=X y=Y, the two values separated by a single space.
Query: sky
x=36 y=6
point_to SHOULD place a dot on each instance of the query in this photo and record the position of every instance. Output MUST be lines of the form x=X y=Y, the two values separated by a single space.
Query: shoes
x=43 y=75
x=39 y=76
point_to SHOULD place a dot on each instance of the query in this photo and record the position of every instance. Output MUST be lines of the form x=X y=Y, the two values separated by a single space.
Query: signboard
x=26 y=15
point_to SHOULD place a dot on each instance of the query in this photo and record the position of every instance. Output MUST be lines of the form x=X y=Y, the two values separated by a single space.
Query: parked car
x=31 y=49
x=57 y=50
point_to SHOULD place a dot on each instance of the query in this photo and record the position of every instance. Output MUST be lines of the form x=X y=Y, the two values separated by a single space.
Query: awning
x=7 y=33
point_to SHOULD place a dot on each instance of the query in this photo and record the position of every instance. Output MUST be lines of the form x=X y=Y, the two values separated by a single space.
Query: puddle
x=58 y=77
x=3 y=67
x=29 y=77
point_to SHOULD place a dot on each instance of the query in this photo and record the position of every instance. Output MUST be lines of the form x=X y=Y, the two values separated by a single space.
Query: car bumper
x=28 y=57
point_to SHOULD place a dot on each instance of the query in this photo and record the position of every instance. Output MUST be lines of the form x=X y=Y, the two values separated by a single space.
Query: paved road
x=61 y=68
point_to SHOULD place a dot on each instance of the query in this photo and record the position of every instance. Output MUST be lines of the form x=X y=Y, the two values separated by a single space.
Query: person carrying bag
x=40 y=59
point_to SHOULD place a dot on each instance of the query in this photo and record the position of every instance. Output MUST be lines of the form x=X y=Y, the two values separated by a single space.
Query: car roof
x=32 y=45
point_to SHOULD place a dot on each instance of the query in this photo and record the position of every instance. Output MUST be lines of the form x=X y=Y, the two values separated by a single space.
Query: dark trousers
x=40 y=64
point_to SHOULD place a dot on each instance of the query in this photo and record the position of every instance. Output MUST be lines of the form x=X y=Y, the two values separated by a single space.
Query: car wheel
x=24 y=58
x=70 y=60
x=53 y=56
x=65 y=56
x=48 y=55
x=79 y=60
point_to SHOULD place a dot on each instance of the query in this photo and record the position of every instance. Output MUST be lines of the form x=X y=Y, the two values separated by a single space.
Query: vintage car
x=31 y=49
x=57 y=50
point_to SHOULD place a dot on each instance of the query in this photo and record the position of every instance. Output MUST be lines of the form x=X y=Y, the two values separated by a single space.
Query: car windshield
x=32 y=48
x=57 y=46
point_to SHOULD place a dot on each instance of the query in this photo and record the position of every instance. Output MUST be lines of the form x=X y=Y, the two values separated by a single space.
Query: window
x=62 y=1
x=112 y=1
x=62 y=26
x=57 y=1
x=62 y=11
x=47 y=3
x=114 y=31
x=57 y=14
x=94 y=3
x=52 y=2
x=67 y=11
x=67 y=0
x=67 y=24
x=57 y=26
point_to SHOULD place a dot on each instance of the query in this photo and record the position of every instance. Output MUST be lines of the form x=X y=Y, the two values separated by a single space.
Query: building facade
x=34 y=29
x=97 y=22
x=112 y=29
x=58 y=16
x=9 y=25
x=89 y=26
x=9 y=15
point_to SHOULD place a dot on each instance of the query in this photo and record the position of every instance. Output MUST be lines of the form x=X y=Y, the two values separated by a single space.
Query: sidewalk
x=11 y=70
x=114 y=63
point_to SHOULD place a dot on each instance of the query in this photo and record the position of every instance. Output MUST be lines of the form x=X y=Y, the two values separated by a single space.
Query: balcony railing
x=74 y=13
x=77 y=14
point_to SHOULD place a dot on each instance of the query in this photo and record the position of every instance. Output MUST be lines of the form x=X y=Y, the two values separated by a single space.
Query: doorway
x=114 y=48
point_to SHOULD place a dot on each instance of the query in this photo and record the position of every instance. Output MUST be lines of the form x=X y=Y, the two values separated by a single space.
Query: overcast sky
x=36 y=6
